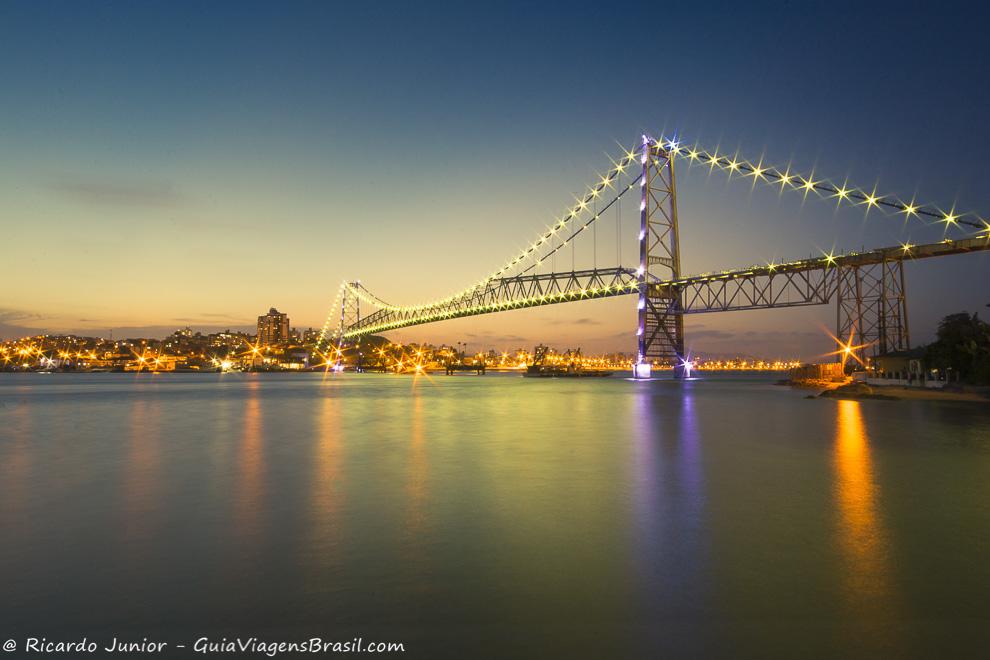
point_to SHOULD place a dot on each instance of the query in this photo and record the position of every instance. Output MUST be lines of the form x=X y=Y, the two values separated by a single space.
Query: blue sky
x=165 y=164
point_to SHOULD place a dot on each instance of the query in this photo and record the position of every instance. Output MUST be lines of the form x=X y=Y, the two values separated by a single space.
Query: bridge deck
x=796 y=283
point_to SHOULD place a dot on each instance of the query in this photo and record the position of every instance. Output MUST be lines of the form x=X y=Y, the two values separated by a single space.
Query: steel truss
x=749 y=290
x=868 y=288
x=871 y=309
x=516 y=292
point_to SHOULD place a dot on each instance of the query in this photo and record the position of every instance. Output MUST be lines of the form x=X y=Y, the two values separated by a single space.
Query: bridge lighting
x=906 y=247
x=729 y=163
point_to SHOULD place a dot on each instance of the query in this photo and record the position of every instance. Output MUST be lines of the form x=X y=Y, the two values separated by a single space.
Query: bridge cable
x=851 y=195
x=570 y=239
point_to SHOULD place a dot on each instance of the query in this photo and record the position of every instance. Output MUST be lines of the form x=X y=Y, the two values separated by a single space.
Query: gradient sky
x=170 y=164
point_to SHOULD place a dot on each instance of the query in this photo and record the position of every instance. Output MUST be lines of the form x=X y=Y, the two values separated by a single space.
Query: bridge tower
x=350 y=315
x=350 y=309
x=871 y=309
x=660 y=331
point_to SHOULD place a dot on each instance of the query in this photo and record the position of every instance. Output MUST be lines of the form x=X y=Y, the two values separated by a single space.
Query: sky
x=170 y=164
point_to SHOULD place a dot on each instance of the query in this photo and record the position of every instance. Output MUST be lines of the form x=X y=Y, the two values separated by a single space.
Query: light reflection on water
x=140 y=495
x=494 y=516
x=249 y=499
x=867 y=576
x=861 y=533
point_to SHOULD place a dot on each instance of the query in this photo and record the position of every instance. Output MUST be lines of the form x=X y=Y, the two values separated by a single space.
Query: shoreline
x=860 y=391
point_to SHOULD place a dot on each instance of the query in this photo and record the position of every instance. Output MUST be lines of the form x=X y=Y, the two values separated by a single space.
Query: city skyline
x=149 y=186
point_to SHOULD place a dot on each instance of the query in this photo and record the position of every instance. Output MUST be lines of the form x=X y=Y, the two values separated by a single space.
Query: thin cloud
x=119 y=193
x=16 y=323
x=711 y=334
x=13 y=315
x=581 y=321
x=213 y=317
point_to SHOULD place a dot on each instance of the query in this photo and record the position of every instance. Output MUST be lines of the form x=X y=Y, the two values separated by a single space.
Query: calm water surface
x=494 y=516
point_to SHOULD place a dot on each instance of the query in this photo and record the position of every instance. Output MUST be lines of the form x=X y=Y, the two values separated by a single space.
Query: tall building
x=273 y=328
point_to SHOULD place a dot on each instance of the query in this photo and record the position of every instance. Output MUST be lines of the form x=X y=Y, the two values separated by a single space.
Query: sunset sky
x=165 y=164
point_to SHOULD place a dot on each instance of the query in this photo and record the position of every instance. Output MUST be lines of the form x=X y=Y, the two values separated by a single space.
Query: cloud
x=220 y=315
x=16 y=323
x=582 y=321
x=710 y=334
x=119 y=193
x=157 y=331
x=487 y=337
x=783 y=334
x=212 y=317
x=9 y=315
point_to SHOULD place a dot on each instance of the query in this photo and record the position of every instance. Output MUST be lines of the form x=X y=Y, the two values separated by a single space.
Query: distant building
x=273 y=328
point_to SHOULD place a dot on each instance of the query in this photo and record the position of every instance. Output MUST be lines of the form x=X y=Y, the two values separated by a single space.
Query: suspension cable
x=577 y=231
x=851 y=195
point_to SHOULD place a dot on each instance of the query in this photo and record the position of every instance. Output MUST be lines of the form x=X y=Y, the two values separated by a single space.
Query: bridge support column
x=660 y=331
x=871 y=315
x=350 y=316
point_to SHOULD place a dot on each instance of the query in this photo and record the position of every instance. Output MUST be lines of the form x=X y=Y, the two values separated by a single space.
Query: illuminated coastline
x=238 y=351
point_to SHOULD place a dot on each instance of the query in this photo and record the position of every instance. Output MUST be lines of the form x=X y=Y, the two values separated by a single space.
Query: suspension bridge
x=867 y=288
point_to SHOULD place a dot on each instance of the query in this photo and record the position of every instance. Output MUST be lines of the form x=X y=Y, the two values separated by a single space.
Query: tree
x=962 y=345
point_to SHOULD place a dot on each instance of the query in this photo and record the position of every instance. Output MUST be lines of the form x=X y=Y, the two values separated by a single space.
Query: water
x=493 y=516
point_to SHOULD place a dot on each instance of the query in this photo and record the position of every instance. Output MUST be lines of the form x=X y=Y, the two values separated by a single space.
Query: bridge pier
x=660 y=331
x=871 y=309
